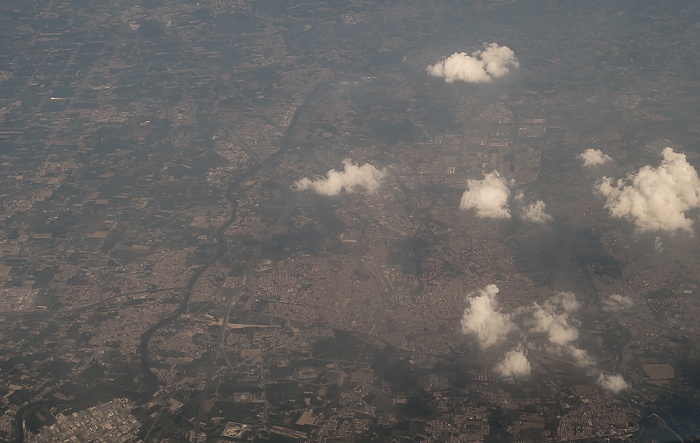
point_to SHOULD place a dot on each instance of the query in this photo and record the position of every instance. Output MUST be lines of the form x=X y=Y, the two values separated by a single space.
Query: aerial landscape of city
x=358 y=221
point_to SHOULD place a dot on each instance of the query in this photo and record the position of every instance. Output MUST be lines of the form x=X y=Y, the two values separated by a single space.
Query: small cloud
x=616 y=302
x=554 y=318
x=658 y=244
x=514 y=364
x=535 y=213
x=488 y=197
x=594 y=157
x=655 y=199
x=556 y=325
x=480 y=67
x=567 y=300
x=579 y=355
x=613 y=383
x=352 y=179
x=482 y=319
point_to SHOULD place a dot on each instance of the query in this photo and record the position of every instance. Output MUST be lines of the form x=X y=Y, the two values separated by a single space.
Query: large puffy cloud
x=514 y=364
x=488 y=197
x=655 y=199
x=613 y=383
x=353 y=178
x=594 y=157
x=554 y=318
x=616 y=302
x=482 y=319
x=480 y=67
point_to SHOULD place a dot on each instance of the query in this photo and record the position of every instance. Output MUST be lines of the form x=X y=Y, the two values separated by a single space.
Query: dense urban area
x=241 y=220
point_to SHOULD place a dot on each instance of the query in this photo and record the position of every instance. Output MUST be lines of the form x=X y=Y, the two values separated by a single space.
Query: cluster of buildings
x=109 y=422
x=122 y=129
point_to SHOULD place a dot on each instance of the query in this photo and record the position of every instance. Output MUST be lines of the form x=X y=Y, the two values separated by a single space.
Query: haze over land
x=349 y=221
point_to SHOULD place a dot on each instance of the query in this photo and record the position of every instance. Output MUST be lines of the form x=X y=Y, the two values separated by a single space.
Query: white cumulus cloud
x=659 y=244
x=353 y=178
x=535 y=213
x=493 y=61
x=594 y=157
x=613 y=383
x=488 y=197
x=554 y=318
x=514 y=364
x=482 y=319
x=616 y=302
x=556 y=325
x=655 y=199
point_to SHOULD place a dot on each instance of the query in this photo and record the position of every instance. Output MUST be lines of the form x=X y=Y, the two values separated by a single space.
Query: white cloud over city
x=534 y=212
x=481 y=66
x=514 y=364
x=614 y=383
x=483 y=320
x=550 y=327
x=616 y=302
x=352 y=179
x=488 y=197
x=555 y=318
x=594 y=157
x=655 y=198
